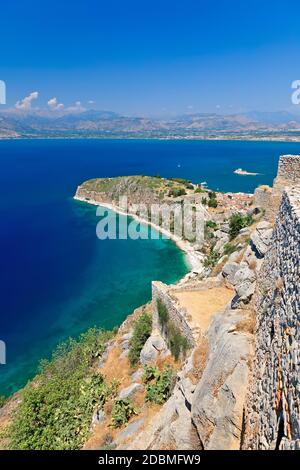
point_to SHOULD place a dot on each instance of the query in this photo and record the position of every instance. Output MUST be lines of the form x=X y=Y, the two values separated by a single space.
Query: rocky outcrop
x=261 y=238
x=172 y=427
x=154 y=347
x=218 y=400
x=131 y=390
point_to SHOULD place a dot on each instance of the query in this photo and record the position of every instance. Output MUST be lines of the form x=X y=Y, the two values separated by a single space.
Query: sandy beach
x=193 y=258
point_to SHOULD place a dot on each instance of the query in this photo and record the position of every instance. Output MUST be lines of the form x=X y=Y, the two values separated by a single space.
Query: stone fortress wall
x=273 y=409
x=288 y=174
x=177 y=315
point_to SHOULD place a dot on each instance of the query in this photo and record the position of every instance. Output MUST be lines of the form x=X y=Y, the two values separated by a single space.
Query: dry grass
x=202 y=305
x=200 y=357
x=248 y=324
x=218 y=268
x=161 y=362
x=279 y=284
x=116 y=368
x=253 y=264
x=240 y=256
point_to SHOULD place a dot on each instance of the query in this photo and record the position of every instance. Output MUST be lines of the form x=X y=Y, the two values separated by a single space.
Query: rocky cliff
x=231 y=333
x=240 y=388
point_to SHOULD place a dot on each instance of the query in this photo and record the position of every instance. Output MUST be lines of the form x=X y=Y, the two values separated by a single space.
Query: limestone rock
x=125 y=345
x=229 y=271
x=98 y=417
x=244 y=282
x=154 y=346
x=137 y=375
x=220 y=243
x=219 y=397
x=261 y=238
x=130 y=430
x=130 y=391
x=127 y=336
x=124 y=354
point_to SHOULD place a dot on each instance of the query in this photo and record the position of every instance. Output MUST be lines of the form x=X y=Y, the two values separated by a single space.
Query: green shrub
x=237 y=222
x=150 y=373
x=178 y=344
x=122 y=411
x=56 y=410
x=183 y=181
x=2 y=401
x=199 y=190
x=211 y=224
x=159 y=389
x=176 y=192
x=162 y=311
x=212 y=199
x=141 y=332
x=229 y=248
x=204 y=201
x=211 y=260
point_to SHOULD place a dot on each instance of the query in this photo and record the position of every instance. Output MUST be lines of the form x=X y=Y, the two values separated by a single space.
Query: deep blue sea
x=57 y=279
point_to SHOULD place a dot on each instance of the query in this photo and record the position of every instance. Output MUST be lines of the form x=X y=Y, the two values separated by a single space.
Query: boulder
x=137 y=375
x=154 y=346
x=244 y=274
x=127 y=336
x=128 y=392
x=225 y=227
x=244 y=282
x=261 y=238
x=229 y=271
x=129 y=431
x=220 y=244
x=245 y=290
x=98 y=417
x=125 y=344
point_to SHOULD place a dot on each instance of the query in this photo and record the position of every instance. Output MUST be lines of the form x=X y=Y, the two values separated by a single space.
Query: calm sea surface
x=57 y=279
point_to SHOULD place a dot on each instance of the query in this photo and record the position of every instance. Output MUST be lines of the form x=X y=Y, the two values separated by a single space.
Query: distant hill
x=93 y=123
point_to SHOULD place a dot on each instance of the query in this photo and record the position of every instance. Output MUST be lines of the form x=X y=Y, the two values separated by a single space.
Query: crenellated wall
x=273 y=408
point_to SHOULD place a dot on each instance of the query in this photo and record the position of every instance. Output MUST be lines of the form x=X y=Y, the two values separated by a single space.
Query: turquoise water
x=56 y=278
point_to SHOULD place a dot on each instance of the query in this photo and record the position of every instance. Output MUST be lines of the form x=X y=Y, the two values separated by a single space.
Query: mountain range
x=92 y=123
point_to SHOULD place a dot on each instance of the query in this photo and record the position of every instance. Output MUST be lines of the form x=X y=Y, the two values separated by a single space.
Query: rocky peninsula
x=210 y=362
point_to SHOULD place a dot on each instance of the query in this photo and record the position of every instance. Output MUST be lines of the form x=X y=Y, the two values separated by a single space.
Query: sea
x=57 y=279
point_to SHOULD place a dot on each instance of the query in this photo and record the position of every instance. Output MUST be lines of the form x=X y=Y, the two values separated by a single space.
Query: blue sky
x=152 y=57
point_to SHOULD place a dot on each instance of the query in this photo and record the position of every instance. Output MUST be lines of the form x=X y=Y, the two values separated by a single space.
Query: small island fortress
x=212 y=362
x=239 y=171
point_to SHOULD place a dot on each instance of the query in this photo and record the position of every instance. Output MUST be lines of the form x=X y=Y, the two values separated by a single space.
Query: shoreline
x=284 y=138
x=194 y=260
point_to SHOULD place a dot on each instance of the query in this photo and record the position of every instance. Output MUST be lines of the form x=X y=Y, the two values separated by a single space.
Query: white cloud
x=77 y=107
x=54 y=105
x=91 y=102
x=25 y=103
x=218 y=106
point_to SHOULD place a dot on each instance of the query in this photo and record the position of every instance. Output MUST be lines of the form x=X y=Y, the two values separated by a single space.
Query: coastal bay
x=57 y=279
